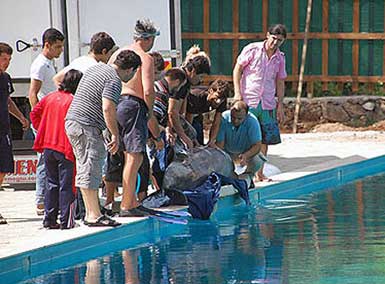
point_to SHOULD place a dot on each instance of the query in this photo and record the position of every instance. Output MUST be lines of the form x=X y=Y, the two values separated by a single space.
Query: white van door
x=26 y=20
x=118 y=18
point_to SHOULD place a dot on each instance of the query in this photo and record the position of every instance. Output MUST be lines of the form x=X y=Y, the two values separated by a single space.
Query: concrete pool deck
x=298 y=155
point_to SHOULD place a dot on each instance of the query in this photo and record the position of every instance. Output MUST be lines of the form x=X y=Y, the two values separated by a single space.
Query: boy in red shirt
x=48 y=118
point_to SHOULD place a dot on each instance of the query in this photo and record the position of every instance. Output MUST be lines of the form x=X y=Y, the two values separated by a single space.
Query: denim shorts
x=269 y=125
x=132 y=116
x=89 y=150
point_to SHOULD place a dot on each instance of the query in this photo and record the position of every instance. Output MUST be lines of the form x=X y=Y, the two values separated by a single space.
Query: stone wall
x=356 y=111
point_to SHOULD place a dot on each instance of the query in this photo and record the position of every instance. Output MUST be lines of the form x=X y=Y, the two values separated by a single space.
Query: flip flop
x=102 y=221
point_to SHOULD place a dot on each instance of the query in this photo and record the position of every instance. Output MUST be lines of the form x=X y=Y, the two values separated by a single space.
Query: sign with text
x=25 y=170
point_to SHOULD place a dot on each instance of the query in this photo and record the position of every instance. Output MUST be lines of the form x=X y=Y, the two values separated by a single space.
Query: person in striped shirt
x=93 y=110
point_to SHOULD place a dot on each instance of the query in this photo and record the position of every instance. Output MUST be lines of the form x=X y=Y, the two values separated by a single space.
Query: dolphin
x=195 y=166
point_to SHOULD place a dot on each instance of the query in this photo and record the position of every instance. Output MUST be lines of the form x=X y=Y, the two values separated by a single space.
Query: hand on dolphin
x=187 y=142
x=170 y=137
x=159 y=145
x=243 y=160
x=212 y=144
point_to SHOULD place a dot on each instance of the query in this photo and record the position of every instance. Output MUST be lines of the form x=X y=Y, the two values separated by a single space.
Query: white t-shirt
x=42 y=69
x=81 y=64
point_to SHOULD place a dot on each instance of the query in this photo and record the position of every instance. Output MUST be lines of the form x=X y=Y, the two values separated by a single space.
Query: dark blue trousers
x=59 y=195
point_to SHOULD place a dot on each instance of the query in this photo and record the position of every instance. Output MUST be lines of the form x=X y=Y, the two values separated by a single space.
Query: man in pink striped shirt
x=259 y=80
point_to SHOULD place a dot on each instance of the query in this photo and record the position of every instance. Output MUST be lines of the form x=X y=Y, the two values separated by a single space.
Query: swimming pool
x=332 y=236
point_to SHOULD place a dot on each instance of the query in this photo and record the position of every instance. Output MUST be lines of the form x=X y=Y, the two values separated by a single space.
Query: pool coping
x=32 y=263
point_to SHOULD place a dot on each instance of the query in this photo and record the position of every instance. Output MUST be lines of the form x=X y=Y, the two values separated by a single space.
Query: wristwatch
x=158 y=139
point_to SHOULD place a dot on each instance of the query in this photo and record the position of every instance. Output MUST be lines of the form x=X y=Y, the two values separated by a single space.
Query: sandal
x=107 y=212
x=102 y=221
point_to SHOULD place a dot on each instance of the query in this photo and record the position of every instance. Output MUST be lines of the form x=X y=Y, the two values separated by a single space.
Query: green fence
x=346 y=39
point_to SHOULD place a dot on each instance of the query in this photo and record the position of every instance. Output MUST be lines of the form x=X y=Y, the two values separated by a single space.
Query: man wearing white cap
x=135 y=115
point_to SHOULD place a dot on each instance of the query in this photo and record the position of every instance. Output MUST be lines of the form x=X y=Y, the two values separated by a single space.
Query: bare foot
x=262 y=178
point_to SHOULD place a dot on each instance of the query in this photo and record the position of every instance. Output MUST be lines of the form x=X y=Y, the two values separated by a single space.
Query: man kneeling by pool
x=240 y=136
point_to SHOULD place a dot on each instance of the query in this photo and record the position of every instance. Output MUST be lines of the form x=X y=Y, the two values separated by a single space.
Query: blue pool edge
x=30 y=264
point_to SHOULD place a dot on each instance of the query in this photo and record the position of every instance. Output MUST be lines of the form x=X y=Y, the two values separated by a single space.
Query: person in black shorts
x=202 y=101
x=135 y=116
x=114 y=169
x=7 y=106
x=144 y=170
x=165 y=89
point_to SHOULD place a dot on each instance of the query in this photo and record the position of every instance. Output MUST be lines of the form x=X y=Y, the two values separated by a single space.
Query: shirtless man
x=135 y=115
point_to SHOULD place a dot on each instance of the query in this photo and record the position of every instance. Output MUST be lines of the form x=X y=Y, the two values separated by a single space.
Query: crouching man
x=240 y=136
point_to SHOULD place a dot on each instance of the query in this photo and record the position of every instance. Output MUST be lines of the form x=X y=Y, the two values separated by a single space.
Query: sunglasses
x=279 y=40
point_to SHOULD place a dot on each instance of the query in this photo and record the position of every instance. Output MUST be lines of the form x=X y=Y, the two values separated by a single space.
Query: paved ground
x=297 y=155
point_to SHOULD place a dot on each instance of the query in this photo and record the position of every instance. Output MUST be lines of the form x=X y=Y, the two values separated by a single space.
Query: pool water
x=334 y=236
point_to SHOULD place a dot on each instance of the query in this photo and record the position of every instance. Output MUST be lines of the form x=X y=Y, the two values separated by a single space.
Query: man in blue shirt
x=240 y=136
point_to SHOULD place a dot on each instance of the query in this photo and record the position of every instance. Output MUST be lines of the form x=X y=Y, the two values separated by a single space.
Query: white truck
x=22 y=23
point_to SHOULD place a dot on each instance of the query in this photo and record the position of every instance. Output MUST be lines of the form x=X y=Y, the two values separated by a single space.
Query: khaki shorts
x=89 y=150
